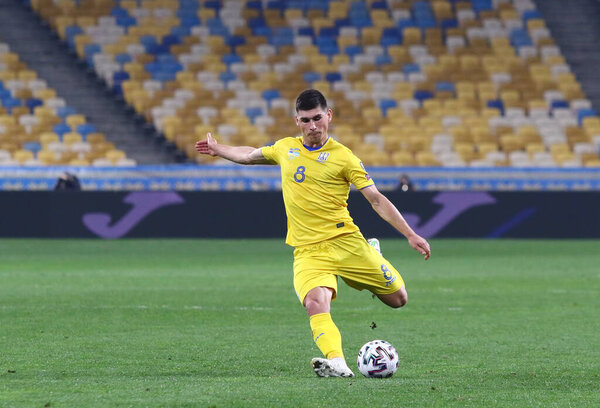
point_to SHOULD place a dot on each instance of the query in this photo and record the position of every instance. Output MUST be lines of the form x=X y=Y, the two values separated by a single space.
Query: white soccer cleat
x=374 y=242
x=336 y=367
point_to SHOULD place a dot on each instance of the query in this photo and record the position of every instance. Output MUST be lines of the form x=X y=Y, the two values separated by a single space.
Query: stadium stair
x=575 y=29
x=43 y=52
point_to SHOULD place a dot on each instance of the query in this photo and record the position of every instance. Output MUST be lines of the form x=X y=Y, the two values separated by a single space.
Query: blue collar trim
x=312 y=149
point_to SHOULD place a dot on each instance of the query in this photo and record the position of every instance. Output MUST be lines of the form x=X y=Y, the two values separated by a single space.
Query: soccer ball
x=377 y=359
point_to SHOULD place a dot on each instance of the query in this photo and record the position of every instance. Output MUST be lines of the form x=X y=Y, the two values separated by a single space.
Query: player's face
x=314 y=124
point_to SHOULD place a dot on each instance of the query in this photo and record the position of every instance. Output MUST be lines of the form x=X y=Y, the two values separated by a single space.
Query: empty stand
x=45 y=80
x=412 y=83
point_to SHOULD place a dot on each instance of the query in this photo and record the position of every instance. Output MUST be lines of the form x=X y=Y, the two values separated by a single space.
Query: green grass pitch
x=216 y=323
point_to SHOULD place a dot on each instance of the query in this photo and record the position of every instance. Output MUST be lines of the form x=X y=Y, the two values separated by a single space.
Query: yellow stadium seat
x=71 y=137
x=23 y=155
x=115 y=155
x=533 y=148
x=47 y=157
x=403 y=158
x=75 y=120
x=50 y=137
x=426 y=159
x=411 y=35
x=510 y=143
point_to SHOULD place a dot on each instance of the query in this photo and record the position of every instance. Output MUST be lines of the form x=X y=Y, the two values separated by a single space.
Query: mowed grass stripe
x=200 y=323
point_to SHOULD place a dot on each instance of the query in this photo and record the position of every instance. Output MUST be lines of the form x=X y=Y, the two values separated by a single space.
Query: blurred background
x=477 y=118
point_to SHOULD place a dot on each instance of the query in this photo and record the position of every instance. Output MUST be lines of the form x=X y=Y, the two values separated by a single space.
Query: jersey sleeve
x=271 y=153
x=356 y=174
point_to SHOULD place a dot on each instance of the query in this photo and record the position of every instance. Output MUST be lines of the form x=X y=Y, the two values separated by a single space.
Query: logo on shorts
x=387 y=275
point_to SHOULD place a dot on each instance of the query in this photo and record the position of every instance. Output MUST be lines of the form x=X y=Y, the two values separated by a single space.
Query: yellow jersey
x=315 y=184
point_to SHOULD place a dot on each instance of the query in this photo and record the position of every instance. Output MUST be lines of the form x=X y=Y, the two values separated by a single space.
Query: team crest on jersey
x=293 y=153
x=323 y=156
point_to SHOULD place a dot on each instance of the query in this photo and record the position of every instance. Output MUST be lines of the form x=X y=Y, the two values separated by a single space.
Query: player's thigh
x=363 y=267
x=313 y=267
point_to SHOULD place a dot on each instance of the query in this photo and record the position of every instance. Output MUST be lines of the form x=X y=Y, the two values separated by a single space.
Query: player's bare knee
x=317 y=301
x=400 y=298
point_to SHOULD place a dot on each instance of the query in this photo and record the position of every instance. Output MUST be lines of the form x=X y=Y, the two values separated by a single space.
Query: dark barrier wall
x=261 y=214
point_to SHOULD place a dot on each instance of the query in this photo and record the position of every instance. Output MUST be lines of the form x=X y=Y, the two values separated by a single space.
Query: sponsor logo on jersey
x=323 y=156
x=293 y=153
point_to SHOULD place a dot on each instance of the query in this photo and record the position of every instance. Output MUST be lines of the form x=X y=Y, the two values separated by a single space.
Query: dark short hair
x=310 y=99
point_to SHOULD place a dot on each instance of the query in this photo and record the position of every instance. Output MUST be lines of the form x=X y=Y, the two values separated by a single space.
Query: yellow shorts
x=351 y=258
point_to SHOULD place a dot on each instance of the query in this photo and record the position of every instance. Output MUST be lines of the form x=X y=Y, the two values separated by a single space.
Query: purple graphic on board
x=143 y=204
x=453 y=204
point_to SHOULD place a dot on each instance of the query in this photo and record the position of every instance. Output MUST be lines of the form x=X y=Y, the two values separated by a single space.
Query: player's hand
x=421 y=245
x=207 y=146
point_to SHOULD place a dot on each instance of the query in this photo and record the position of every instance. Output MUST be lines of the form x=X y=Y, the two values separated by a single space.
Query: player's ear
x=297 y=120
x=329 y=115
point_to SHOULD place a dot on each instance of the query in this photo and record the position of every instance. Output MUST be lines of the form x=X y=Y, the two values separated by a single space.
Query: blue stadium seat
x=329 y=32
x=126 y=21
x=386 y=104
x=255 y=4
x=253 y=113
x=119 y=12
x=530 y=14
x=482 y=5
x=31 y=103
x=342 y=22
x=231 y=58
x=33 y=147
x=422 y=94
x=188 y=20
x=270 y=94
x=64 y=111
x=277 y=5
x=584 y=113
x=449 y=23
x=520 y=37
x=497 y=104
x=123 y=58
x=235 y=40
x=171 y=39
x=410 y=68
x=71 y=32
x=353 y=50
x=445 y=86
x=85 y=129
x=383 y=60
x=61 y=128
x=309 y=31
x=227 y=76
x=213 y=4
x=333 y=76
x=311 y=76
x=10 y=102
x=556 y=104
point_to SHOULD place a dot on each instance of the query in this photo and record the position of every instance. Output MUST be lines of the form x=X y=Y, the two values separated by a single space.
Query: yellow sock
x=326 y=335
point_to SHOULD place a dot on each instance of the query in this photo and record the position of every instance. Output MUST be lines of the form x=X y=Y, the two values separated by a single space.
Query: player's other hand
x=421 y=245
x=207 y=146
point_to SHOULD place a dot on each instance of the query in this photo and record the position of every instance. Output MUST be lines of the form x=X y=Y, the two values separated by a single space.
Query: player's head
x=313 y=116
x=309 y=100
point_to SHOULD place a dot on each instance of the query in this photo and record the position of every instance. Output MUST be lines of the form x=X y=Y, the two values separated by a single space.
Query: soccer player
x=316 y=172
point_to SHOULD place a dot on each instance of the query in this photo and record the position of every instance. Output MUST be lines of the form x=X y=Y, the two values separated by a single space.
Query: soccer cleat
x=374 y=242
x=336 y=367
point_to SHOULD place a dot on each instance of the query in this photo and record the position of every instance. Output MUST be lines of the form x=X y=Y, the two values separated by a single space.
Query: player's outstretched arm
x=390 y=213
x=237 y=154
